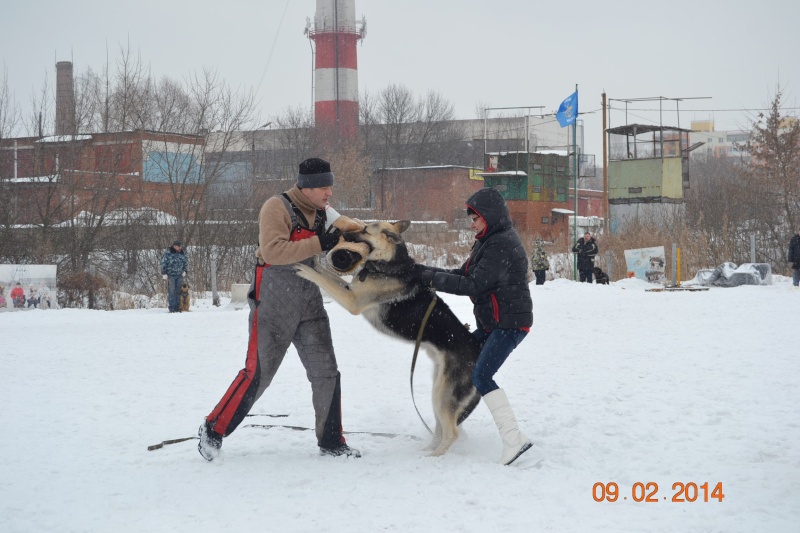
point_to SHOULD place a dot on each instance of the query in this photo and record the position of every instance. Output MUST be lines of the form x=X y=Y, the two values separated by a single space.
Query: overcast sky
x=476 y=53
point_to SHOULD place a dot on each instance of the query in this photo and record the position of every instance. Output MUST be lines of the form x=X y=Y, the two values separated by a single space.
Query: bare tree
x=717 y=205
x=402 y=130
x=296 y=141
x=9 y=111
x=42 y=114
x=351 y=166
x=89 y=193
x=436 y=133
x=398 y=112
x=775 y=172
x=130 y=98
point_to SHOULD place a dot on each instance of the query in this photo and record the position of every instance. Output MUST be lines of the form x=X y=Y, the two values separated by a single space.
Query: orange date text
x=648 y=492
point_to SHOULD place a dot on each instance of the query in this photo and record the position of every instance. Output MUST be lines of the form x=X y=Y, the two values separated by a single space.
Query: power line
x=733 y=110
x=272 y=49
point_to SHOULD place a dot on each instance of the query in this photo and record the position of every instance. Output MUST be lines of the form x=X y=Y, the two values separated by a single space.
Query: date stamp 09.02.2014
x=648 y=492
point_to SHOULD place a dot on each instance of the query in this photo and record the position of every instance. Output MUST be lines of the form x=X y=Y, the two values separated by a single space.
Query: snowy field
x=613 y=385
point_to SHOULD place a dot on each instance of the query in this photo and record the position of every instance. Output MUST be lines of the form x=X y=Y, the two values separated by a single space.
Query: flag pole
x=575 y=189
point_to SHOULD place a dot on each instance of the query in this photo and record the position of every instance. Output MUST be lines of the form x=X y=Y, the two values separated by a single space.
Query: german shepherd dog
x=600 y=277
x=385 y=292
x=184 y=299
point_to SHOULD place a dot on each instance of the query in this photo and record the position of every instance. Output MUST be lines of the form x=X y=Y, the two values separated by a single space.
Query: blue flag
x=568 y=110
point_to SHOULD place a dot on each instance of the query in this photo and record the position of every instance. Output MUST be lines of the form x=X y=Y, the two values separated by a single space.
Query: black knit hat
x=177 y=243
x=314 y=173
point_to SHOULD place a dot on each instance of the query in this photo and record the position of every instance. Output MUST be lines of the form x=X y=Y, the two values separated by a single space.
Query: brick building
x=52 y=179
x=424 y=193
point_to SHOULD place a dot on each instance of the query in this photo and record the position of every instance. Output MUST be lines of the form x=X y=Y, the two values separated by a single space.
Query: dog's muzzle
x=345 y=257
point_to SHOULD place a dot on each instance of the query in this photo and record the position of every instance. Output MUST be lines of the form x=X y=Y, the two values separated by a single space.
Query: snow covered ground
x=614 y=384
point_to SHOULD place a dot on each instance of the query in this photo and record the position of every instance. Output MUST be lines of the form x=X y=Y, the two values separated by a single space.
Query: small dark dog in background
x=184 y=299
x=600 y=277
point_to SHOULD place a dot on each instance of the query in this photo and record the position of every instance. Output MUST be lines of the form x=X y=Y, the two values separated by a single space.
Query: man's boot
x=210 y=442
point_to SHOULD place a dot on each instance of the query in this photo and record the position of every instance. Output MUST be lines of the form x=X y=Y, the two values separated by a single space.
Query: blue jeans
x=174 y=288
x=497 y=346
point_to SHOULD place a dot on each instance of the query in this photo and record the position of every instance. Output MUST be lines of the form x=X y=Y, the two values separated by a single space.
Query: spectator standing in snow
x=174 y=266
x=286 y=309
x=586 y=248
x=2 y=297
x=539 y=262
x=794 y=258
x=495 y=277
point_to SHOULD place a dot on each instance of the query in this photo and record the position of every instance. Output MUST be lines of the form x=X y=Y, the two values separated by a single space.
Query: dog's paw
x=305 y=271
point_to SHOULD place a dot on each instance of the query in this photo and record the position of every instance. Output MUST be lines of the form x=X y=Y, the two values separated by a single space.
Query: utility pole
x=576 y=161
x=606 y=222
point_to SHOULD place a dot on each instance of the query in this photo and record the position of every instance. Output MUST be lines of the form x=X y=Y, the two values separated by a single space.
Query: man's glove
x=348 y=224
x=184 y=274
x=330 y=239
x=164 y=276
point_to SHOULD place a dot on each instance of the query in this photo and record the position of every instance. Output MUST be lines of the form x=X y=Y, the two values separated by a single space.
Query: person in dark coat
x=794 y=258
x=174 y=266
x=495 y=277
x=586 y=248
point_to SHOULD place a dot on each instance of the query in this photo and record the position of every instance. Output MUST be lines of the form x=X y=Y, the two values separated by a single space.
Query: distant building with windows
x=61 y=175
x=718 y=144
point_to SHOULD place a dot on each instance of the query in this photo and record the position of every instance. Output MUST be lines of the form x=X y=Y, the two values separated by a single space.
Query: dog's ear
x=401 y=225
x=393 y=237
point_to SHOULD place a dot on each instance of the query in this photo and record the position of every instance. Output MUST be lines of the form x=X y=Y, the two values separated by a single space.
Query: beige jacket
x=275 y=226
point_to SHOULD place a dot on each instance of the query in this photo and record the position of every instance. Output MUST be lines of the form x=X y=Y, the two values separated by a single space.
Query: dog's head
x=185 y=287
x=383 y=239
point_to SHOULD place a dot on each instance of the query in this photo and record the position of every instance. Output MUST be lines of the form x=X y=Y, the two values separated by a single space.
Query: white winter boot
x=514 y=442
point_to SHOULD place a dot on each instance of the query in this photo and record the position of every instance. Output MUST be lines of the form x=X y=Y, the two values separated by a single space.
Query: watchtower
x=648 y=166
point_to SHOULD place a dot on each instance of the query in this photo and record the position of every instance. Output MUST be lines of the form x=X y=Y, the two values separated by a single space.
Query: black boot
x=332 y=441
x=210 y=442
x=341 y=449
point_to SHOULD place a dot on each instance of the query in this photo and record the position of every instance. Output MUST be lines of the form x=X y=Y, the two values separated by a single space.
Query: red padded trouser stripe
x=226 y=408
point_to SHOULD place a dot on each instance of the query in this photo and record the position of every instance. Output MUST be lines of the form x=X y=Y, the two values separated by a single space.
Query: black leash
x=302 y=428
x=166 y=442
x=184 y=439
x=416 y=351
x=296 y=428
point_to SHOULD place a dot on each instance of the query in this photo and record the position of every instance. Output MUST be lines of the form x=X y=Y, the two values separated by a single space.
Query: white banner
x=36 y=282
x=647 y=263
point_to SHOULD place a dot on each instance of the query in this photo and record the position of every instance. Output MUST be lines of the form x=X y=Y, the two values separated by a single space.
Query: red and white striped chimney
x=335 y=35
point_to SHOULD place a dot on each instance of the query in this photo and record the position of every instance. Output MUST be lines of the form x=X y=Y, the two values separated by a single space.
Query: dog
x=600 y=277
x=385 y=291
x=184 y=298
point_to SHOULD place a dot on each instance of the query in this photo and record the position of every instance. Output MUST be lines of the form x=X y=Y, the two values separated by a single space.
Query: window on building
x=545 y=220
